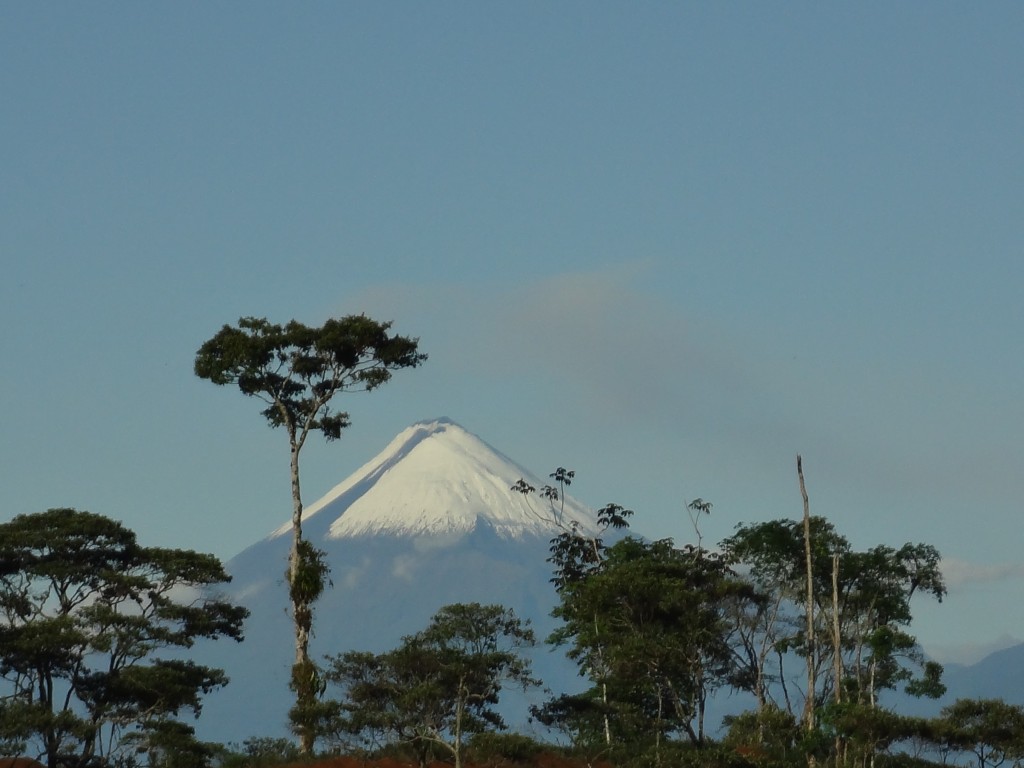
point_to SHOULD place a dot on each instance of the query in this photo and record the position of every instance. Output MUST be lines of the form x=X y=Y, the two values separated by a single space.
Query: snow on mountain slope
x=437 y=479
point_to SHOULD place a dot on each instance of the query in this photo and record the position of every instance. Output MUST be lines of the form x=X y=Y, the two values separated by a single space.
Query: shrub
x=496 y=748
x=261 y=752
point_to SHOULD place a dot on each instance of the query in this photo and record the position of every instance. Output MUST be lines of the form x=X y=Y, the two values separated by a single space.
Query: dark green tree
x=296 y=371
x=767 y=737
x=876 y=588
x=867 y=595
x=861 y=645
x=439 y=685
x=84 y=613
x=991 y=730
x=172 y=744
x=772 y=556
x=862 y=731
x=648 y=626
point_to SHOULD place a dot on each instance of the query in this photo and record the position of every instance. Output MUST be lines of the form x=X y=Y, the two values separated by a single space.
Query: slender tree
x=773 y=557
x=809 y=601
x=296 y=371
x=574 y=556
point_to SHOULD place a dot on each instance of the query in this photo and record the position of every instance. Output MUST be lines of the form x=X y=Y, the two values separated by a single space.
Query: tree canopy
x=85 y=611
x=296 y=369
x=437 y=685
x=648 y=627
x=862 y=603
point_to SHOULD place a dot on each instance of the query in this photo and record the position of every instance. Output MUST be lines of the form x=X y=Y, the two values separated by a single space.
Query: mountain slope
x=1000 y=675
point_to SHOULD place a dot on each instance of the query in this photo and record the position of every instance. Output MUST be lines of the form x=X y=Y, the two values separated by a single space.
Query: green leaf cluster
x=296 y=369
x=647 y=625
x=84 y=611
x=438 y=685
x=866 y=595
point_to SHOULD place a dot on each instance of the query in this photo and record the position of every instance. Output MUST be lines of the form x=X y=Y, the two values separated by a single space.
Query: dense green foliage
x=296 y=369
x=438 y=686
x=84 y=612
x=90 y=621
x=657 y=628
x=862 y=607
x=648 y=626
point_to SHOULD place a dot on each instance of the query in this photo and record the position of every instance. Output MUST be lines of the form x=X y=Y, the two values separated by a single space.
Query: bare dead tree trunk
x=837 y=659
x=460 y=710
x=809 y=606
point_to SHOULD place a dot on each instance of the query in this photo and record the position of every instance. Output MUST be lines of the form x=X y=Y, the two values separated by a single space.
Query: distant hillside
x=999 y=675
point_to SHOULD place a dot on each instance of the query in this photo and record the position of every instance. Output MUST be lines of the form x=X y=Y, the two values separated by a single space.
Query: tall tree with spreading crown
x=296 y=370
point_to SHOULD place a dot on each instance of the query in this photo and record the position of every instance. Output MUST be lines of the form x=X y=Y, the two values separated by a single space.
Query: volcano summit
x=437 y=479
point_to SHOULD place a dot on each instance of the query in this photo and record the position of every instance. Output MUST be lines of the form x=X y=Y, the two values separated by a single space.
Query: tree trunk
x=301 y=629
x=657 y=732
x=460 y=708
x=302 y=618
x=837 y=658
x=809 y=607
x=604 y=685
x=607 y=721
x=702 y=703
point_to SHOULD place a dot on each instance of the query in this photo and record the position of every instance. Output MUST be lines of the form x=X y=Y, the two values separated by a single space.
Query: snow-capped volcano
x=431 y=520
x=437 y=479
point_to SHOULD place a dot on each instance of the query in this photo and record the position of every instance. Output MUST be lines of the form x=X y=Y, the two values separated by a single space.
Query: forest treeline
x=95 y=629
x=656 y=629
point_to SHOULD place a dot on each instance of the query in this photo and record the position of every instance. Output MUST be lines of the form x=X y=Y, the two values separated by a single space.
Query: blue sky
x=667 y=245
